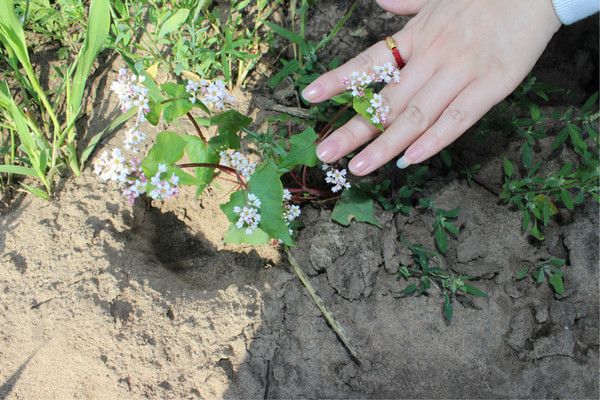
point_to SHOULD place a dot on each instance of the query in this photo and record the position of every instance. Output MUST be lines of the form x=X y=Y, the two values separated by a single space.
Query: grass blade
x=337 y=26
x=18 y=170
x=97 y=34
x=116 y=123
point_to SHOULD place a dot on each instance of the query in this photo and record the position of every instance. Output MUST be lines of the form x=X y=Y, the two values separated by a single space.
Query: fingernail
x=312 y=92
x=360 y=165
x=327 y=151
x=402 y=163
x=414 y=154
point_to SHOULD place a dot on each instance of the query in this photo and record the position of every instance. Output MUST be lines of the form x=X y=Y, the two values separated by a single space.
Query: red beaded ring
x=391 y=44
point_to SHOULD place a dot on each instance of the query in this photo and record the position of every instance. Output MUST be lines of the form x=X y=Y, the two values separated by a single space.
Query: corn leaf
x=97 y=34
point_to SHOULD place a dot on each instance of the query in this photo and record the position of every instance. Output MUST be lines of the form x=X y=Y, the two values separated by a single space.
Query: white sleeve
x=570 y=11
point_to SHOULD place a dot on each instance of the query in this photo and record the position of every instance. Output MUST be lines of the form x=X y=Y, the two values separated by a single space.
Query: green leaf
x=237 y=199
x=361 y=104
x=557 y=262
x=522 y=273
x=18 y=170
x=153 y=117
x=556 y=281
x=473 y=291
x=410 y=289
x=527 y=156
x=446 y=158
x=354 y=204
x=450 y=227
x=535 y=112
x=265 y=183
x=508 y=168
x=173 y=22
x=35 y=191
x=576 y=138
x=343 y=98
x=540 y=276
x=289 y=68
x=235 y=235
x=95 y=39
x=229 y=124
x=449 y=213
x=441 y=239
x=291 y=36
x=560 y=138
x=448 y=312
x=169 y=148
x=178 y=105
x=566 y=199
x=303 y=150
x=590 y=103
x=200 y=152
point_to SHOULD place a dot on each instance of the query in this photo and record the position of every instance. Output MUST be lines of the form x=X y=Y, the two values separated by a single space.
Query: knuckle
x=415 y=116
x=350 y=134
x=382 y=147
x=456 y=115
x=499 y=69
x=364 y=61
x=387 y=103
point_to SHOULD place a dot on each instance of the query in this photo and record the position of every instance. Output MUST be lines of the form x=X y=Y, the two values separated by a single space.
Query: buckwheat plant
x=366 y=102
x=260 y=209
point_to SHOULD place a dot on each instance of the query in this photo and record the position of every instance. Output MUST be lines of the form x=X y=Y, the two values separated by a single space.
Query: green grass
x=41 y=124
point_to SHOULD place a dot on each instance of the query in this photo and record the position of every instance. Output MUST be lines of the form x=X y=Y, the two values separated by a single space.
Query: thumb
x=402 y=7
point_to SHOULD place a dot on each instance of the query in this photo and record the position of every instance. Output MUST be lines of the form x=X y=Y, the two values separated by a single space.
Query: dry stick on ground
x=339 y=330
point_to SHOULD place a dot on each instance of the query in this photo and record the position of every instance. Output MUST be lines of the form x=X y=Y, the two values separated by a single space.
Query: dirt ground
x=102 y=300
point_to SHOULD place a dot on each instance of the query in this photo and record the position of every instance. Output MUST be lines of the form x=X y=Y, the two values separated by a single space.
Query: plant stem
x=196 y=126
x=335 y=325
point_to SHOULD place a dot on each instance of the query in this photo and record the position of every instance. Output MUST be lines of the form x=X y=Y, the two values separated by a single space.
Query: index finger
x=331 y=83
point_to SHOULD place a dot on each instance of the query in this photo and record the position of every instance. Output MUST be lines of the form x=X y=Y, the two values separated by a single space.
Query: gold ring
x=391 y=43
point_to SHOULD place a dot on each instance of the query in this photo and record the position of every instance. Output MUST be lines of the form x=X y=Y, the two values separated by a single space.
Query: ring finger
x=420 y=113
x=358 y=131
x=331 y=83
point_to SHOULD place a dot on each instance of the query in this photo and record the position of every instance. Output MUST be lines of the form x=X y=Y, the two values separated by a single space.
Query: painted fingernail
x=414 y=154
x=360 y=165
x=402 y=163
x=327 y=151
x=312 y=92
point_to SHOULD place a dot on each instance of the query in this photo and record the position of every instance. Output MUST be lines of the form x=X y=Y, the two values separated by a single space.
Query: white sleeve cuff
x=570 y=11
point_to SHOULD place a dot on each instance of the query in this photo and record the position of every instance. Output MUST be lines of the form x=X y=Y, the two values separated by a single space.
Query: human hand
x=462 y=57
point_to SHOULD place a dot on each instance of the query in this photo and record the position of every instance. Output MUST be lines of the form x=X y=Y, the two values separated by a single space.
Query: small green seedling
x=547 y=270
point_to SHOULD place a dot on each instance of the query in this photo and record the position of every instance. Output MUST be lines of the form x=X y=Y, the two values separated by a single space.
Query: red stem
x=198 y=129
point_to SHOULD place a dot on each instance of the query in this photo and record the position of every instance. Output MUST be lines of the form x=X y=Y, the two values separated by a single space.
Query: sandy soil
x=102 y=300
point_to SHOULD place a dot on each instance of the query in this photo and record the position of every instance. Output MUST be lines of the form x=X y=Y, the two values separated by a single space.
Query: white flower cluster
x=359 y=82
x=249 y=216
x=337 y=178
x=237 y=161
x=212 y=94
x=378 y=110
x=131 y=93
x=133 y=138
x=291 y=212
x=114 y=167
x=387 y=73
x=164 y=188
